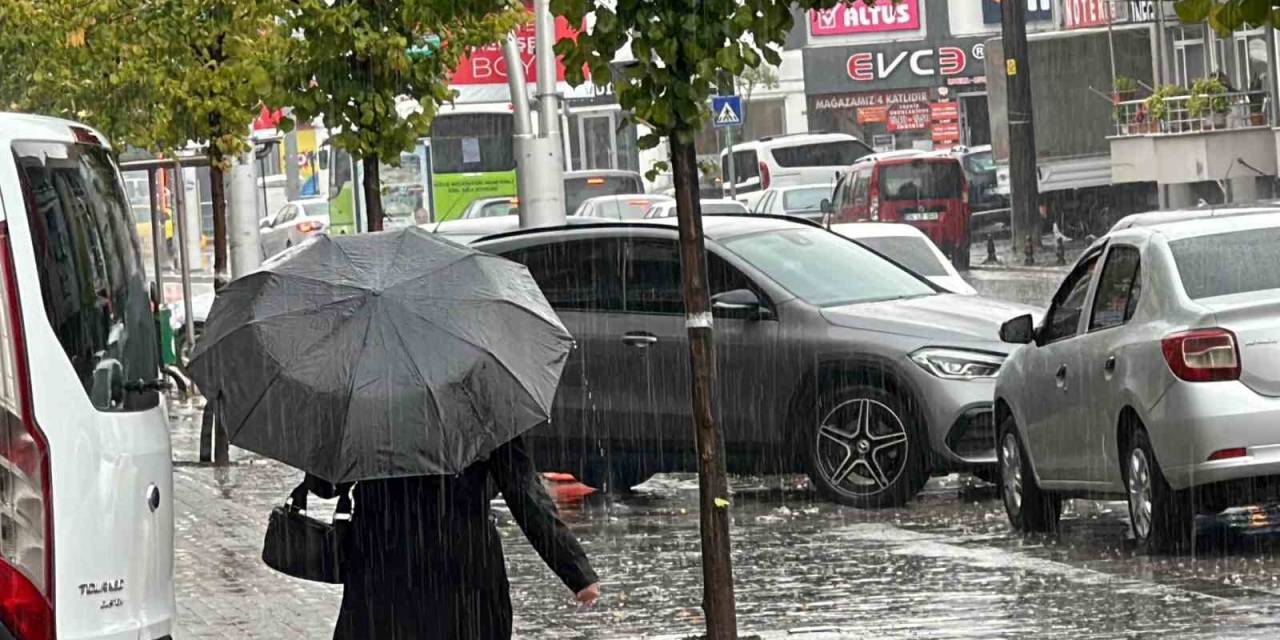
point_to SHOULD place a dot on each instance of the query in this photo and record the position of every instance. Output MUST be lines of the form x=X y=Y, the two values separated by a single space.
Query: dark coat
x=424 y=559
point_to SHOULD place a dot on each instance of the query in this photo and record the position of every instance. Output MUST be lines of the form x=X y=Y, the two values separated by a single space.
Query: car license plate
x=920 y=216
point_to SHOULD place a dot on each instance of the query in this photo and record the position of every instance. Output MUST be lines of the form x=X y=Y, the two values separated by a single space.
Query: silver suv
x=1155 y=377
x=830 y=359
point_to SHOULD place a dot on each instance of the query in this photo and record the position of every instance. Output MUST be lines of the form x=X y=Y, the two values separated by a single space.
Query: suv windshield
x=839 y=153
x=937 y=179
x=1204 y=274
x=825 y=269
x=91 y=277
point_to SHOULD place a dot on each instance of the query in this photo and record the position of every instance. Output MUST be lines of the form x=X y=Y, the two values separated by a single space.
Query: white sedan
x=909 y=247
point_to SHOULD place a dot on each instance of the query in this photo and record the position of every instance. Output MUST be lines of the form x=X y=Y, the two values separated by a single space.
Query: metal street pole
x=529 y=173
x=184 y=260
x=292 y=180
x=242 y=218
x=1024 y=190
x=1273 y=115
x=546 y=203
x=725 y=86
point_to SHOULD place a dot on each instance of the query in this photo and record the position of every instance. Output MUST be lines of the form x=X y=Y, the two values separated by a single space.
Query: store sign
x=884 y=99
x=866 y=66
x=855 y=16
x=1079 y=14
x=908 y=117
x=873 y=114
x=944 y=111
x=1037 y=10
x=946 y=133
x=485 y=65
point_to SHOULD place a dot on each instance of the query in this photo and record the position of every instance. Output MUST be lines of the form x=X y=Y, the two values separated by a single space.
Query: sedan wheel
x=862 y=453
x=1162 y=519
x=1029 y=508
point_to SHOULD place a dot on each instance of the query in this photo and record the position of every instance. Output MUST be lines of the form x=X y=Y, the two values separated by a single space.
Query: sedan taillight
x=307 y=226
x=1202 y=355
x=765 y=178
x=26 y=522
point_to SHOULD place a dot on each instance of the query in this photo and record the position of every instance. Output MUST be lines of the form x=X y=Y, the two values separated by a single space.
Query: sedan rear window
x=839 y=153
x=804 y=200
x=825 y=269
x=912 y=253
x=1228 y=263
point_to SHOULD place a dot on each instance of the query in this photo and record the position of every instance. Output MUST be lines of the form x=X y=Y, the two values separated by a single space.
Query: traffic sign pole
x=733 y=180
x=726 y=113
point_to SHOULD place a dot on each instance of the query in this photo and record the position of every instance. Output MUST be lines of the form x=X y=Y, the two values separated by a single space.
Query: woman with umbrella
x=409 y=366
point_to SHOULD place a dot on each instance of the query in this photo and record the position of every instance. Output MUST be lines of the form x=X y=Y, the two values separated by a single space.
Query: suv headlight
x=958 y=364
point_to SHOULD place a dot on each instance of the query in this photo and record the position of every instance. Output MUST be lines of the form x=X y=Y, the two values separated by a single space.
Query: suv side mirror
x=1019 y=330
x=738 y=302
x=825 y=206
x=264 y=223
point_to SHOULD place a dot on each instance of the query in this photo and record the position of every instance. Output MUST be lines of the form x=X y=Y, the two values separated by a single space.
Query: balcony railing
x=1243 y=109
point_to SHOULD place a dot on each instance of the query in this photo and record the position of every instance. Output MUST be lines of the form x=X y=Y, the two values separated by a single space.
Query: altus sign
x=867 y=66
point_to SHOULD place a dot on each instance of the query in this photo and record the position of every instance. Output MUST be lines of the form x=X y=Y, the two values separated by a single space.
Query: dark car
x=831 y=359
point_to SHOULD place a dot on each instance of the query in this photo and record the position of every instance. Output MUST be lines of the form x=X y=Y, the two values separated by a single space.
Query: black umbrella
x=381 y=355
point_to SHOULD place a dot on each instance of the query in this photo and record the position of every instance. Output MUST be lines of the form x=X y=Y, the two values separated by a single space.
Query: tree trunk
x=217 y=192
x=372 y=194
x=713 y=487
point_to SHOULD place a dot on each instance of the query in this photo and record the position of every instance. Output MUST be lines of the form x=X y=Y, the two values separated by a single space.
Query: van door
x=88 y=331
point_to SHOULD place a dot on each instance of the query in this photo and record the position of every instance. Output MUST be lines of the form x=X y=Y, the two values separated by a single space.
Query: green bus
x=472 y=157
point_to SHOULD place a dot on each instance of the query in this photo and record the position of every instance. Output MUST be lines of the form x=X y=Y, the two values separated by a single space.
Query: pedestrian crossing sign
x=726 y=111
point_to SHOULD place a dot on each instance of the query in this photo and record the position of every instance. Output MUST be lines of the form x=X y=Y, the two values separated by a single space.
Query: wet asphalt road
x=945 y=566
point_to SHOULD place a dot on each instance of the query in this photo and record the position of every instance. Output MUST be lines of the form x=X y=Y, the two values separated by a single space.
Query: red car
x=923 y=189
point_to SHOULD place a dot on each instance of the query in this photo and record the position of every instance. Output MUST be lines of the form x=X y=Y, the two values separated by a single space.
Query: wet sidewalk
x=946 y=566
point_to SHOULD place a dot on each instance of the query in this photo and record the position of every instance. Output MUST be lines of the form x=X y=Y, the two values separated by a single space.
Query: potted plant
x=1208 y=101
x=1124 y=90
x=1157 y=108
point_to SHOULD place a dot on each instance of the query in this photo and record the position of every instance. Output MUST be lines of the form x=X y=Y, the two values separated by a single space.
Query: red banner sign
x=873 y=114
x=855 y=16
x=908 y=117
x=485 y=65
x=946 y=133
x=944 y=111
x=1078 y=14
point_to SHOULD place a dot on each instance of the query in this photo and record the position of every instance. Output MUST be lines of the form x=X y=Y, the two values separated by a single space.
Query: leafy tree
x=151 y=74
x=680 y=47
x=1228 y=15
x=349 y=65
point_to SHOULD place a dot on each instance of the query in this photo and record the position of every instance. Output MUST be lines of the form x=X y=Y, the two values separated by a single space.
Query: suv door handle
x=639 y=339
x=1110 y=365
x=1061 y=376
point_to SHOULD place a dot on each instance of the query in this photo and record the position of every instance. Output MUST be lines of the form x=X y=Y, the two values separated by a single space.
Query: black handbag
x=303 y=547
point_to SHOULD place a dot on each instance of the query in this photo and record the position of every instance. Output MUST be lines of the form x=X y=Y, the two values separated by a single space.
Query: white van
x=780 y=161
x=86 y=487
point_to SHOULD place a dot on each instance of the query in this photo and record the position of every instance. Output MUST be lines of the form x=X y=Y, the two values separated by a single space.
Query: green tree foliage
x=348 y=64
x=151 y=74
x=679 y=47
x=1228 y=15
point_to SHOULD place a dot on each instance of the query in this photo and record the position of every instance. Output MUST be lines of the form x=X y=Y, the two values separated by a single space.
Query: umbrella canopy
x=381 y=355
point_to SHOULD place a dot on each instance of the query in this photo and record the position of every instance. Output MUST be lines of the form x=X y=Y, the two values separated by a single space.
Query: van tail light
x=1202 y=355
x=26 y=510
x=307 y=226
x=765 y=178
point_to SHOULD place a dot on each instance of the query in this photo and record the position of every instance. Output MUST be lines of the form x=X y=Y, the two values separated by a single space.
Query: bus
x=405 y=190
x=472 y=157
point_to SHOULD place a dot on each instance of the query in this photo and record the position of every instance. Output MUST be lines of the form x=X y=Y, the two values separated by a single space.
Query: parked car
x=924 y=189
x=869 y=384
x=620 y=207
x=86 y=477
x=1155 y=377
x=909 y=247
x=980 y=172
x=803 y=200
x=468 y=231
x=491 y=207
x=713 y=206
x=294 y=222
x=580 y=185
x=779 y=161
